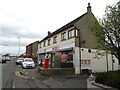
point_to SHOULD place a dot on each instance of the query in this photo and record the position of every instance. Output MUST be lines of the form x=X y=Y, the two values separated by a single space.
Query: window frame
x=54 y=39
x=63 y=36
x=70 y=33
x=73 y=33
x=44 y=44
x=49 y=40
x=40 y=45
x=76 y=33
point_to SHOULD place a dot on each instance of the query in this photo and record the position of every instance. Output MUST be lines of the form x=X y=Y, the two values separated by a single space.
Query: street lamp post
x=19 y=46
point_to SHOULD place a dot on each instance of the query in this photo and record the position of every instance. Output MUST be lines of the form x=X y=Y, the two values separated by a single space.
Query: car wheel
x=22 y=67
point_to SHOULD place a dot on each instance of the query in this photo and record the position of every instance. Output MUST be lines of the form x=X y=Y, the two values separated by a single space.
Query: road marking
x=13 y=86
x=18 y=74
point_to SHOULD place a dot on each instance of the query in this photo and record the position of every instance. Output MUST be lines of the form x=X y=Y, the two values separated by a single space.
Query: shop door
x=57 y=59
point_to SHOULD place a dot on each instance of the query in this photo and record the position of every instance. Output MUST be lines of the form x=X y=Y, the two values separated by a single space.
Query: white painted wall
x=98 y=65
x=76 y=60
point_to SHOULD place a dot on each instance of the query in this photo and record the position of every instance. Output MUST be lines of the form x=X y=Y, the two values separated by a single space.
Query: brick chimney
x=89 y=8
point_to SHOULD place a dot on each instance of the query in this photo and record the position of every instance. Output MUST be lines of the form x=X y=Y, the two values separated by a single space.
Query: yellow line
x=18 y=74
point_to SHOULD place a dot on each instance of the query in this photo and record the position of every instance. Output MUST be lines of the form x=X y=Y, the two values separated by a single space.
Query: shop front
x=58 y=57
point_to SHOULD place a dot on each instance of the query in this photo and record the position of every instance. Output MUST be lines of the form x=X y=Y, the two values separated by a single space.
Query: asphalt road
x=8 y=70
x=14 y=76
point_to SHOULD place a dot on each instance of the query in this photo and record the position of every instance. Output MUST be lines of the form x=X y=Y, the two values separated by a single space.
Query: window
x=40 y=45
x=71 y=33
x=55 y=39
x=49 y=42
x=63 y=36
x=45 y=44
x=76 y=32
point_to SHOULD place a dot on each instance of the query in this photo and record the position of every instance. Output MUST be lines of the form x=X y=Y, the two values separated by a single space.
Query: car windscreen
x=28 y=60
x=20 y=58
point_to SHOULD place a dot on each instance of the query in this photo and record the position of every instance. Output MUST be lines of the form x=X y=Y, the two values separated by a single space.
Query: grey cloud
x=12 y=43
x=9 y=38
x=15 y=31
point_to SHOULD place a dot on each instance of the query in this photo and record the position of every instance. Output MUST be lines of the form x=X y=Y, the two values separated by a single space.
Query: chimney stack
x=89 y=8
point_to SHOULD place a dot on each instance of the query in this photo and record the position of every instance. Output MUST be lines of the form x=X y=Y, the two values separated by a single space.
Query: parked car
x=28 y=63
x=2 y=59
x=7 y=58
x=19 y=61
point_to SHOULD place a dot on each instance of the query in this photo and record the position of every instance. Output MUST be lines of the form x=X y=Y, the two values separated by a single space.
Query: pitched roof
x=70 y=24
x=33 y=43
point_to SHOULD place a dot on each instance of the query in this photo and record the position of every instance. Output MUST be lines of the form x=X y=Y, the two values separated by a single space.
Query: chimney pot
x=88 y=4
x=49 y=32
x=89 y=8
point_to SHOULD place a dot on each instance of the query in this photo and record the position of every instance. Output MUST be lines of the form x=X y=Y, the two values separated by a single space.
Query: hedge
x=111 y=78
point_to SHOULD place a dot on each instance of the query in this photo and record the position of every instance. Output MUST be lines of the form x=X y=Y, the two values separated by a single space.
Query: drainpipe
x=80 y=51
x=107 y=61
x=38 y=61
x=80 y=60
x=112 y=62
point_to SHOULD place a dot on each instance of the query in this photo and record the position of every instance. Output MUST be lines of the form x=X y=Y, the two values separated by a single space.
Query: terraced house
x=72 y=46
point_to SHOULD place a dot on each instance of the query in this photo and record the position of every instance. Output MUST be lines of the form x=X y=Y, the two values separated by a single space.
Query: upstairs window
x=55 y=39
x=63 y=36
x=71 y=33
x=49 y=42
x=76 y=32
x=40 y=45
x=44 y=43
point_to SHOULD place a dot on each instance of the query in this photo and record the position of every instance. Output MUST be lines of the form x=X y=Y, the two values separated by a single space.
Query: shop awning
x=60 y=50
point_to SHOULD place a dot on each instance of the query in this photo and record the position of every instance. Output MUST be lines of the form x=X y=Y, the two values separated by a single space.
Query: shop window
x=69 y=56
x=63 y=36
x=55 y=39
x=49 y=42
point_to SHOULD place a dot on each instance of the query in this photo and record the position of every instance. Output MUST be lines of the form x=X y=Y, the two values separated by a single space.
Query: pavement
x=59 y=81
x=30 y=78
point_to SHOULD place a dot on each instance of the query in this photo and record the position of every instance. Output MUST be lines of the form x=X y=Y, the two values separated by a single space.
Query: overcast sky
x=30 y=20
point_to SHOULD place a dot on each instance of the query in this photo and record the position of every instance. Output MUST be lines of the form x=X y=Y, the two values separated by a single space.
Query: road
x=8 y=73
x=14 y=76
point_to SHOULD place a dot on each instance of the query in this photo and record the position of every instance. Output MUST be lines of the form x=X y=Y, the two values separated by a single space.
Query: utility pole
x=19 y=46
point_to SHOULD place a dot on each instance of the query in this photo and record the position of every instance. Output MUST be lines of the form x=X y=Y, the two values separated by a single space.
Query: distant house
x=72 y=46
x=31 y=49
